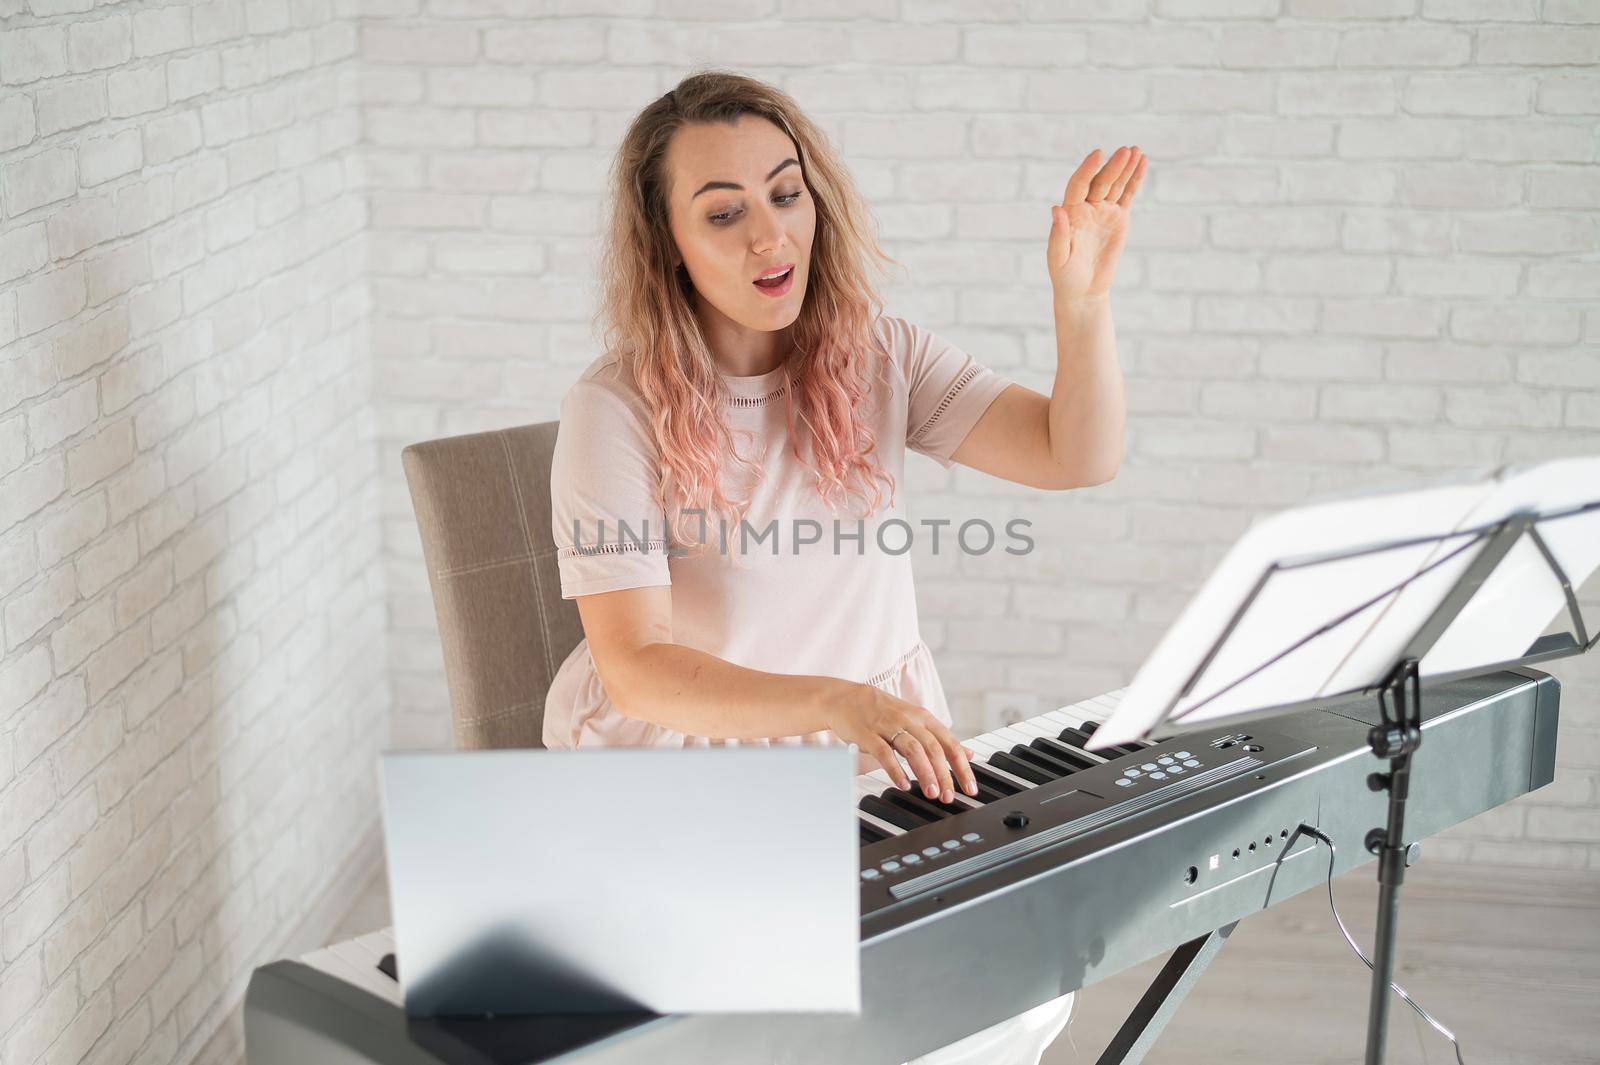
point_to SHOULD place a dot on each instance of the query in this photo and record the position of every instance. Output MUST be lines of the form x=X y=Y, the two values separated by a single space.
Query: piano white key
x=1100 y=706
x=863 y=789
x=984 y=746
x=1011 y=735
x=337 y=960
x=1037 y=728
x=353 y=948
x=880 y=775
x=1062 y=718
x=1073 y=713
x=379 y=943
x=879 y=823
x=362 y=961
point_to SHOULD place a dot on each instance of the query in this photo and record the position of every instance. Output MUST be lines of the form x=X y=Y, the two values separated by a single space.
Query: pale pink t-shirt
x=806 y=609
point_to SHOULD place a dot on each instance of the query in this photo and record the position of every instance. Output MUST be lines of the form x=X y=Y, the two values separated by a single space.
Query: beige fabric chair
x=483 y=507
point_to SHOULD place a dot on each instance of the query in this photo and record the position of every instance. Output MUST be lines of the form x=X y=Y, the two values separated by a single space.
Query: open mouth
x=776 y=284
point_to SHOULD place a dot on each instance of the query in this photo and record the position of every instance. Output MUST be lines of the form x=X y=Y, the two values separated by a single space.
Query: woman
x=750 y=387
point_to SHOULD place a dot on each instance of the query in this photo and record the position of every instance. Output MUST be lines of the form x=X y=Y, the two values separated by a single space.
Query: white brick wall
x=1364 y=255
x=191 y=595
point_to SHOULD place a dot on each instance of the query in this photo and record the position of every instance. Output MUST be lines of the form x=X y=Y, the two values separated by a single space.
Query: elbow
x=1096 y=478
x=612 y=669
x=1107 y=463
x=1097 y=462
x=1089 y=475
x=625 y=674
x=1105 y=471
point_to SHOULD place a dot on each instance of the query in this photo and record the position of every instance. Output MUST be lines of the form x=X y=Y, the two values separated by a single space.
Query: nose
x=767 y=233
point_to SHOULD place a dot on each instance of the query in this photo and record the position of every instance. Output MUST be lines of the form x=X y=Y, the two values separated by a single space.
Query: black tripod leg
x=1162 y=999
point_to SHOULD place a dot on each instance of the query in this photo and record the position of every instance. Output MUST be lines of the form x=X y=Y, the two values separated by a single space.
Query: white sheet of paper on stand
x=1520 y=598
x=1317 y=630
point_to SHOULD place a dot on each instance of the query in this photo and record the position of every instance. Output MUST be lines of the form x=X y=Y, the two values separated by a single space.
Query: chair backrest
x=483 y=507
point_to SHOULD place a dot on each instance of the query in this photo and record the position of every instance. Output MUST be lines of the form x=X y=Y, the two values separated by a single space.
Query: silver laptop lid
x=716 y=879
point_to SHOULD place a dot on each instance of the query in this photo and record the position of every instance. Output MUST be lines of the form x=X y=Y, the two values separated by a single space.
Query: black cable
x=1348 y=938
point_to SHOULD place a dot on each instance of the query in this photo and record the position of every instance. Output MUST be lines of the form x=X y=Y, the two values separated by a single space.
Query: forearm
x=1086 y=404
x=682 y=688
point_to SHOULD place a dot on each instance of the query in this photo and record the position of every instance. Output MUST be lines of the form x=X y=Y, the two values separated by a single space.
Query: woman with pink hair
x=750 y=388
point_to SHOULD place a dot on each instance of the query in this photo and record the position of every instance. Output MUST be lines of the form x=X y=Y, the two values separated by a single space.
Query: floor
x=1510 y=958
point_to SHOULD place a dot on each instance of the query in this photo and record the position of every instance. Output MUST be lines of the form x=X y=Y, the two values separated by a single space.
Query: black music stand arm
x=1397 y=738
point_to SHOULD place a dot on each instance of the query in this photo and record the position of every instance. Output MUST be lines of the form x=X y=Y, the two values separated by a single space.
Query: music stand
x=1441 y=593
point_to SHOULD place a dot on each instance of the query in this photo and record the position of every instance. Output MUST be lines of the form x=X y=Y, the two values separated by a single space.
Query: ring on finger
x=897 y=735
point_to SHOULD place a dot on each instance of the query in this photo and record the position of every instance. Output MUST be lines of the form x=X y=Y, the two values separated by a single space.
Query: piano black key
x=986 y=794
x=1060 y=751
x=895 y=815
x=870 y=834
x=1082 y=734
x=997 y=784
x=917 y=804
x=1044 y=761
x=1018 y=768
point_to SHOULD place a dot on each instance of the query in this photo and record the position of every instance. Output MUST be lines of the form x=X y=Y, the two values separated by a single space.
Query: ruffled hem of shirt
x=594 y=721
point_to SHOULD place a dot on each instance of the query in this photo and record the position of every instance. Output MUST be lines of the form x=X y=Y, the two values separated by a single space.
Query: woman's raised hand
x=1089 y=227
x=884 y=726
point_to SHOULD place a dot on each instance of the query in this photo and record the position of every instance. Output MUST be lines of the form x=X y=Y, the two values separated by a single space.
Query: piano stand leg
x=1162 y=999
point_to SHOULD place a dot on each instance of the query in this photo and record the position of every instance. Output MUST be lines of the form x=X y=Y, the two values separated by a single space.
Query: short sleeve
x=607 y=524
x=947 y=389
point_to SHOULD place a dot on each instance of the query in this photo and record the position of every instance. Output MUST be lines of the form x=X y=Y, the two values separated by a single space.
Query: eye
x=726 y=216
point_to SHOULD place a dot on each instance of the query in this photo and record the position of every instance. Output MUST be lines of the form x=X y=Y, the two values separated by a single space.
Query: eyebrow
x=708 y=186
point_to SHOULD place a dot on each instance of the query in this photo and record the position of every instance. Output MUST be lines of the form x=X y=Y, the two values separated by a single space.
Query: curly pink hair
x=653 y=324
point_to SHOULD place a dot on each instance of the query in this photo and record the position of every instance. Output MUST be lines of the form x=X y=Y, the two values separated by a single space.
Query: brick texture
x=192 y=688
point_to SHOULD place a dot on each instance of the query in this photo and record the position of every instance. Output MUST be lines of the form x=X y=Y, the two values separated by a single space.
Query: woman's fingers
x=1129 y=167
x=921 y=765
x=891 y=764
x=957 y=754
x=1078 y=183
x=933 y=749
x=1126 y=199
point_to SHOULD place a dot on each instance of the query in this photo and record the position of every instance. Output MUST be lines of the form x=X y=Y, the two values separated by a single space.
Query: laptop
x=669 y=880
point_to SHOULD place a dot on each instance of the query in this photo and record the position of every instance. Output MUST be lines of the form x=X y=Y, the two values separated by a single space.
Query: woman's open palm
x=1090 y=224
